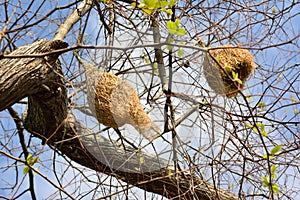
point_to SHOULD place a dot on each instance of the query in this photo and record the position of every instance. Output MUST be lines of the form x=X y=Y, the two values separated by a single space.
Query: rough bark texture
x=41 y=80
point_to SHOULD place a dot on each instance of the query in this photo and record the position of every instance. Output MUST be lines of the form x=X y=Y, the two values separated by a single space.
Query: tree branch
x=66 y=26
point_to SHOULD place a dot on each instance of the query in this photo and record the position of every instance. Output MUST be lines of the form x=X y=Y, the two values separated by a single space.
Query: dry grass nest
x=117 y=103
x=221 y=64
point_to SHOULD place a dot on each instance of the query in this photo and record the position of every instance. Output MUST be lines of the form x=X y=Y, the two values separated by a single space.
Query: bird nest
x=117 y=103
x=226 y=69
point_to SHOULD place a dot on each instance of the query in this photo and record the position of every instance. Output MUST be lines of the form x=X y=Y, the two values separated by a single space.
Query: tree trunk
x=40 y=78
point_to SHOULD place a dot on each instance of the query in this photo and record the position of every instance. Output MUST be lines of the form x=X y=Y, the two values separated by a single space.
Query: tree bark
x=40 y=78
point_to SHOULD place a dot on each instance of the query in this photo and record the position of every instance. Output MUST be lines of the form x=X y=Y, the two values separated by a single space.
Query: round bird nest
x=220 y=65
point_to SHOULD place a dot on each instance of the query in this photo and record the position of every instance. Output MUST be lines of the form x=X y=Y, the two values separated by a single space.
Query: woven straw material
x=117 y=103
x=219 y=64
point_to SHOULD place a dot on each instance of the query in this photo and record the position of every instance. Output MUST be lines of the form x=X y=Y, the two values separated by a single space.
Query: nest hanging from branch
x=220 y=65
x=115 y=103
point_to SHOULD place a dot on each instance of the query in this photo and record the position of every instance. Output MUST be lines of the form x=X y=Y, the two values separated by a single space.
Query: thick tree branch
x=27 y=76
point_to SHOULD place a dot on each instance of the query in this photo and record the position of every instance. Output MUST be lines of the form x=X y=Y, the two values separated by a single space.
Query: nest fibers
x=220 y=65
x=116 y=103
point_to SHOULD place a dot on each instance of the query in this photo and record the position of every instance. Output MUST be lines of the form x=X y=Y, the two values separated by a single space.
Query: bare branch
x=78 y=13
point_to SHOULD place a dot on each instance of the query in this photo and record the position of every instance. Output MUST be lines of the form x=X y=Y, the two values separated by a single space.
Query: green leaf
x=151 y=4
x=133 y=4
x=147 y=11
x=177 y=22
x=276 y=149
x=239 y=81
x=174 y=29
x=26 y=169
x=255 y=130
x=147 y=60
x=264 y=133
x=265 y=181
x=30 y=161
x=169 y=173
x=265 y=156
x=180 y=31
x=280 y=76
x=275 y=188
x=155 y=66
x=137 y=168
x=171 y=27
x=29 y=158
x=248 y=125
x=273 y=176
x=236 y=77
x=261 y=105
x=141 y=5
x=141 y=160
x=249 y=98
x=227 y=67
x=261 y=127
x=180 y=52
x=168 y=11
x=273 y=169
x=293 y=99
x=270 y=157
x=172 y=2
x=295 y=111
x=273 y=152
x=169 y=47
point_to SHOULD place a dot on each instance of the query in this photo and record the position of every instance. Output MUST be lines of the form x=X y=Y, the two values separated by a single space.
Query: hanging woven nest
x=116 y=103
x=221 y=64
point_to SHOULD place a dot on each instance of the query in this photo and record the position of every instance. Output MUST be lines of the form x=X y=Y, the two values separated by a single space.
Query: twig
x=72 y=19
x=20 y=129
